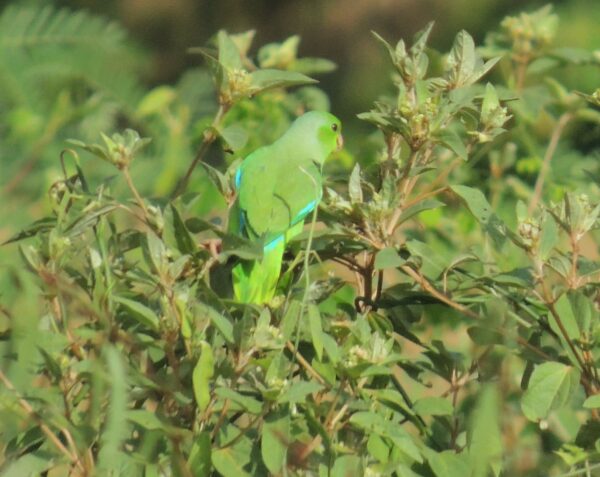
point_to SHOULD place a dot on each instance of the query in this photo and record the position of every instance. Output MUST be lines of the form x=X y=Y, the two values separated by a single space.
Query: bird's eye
x=334 y=127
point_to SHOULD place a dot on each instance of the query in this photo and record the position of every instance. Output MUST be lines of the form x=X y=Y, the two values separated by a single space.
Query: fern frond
x=30 y=27
x=44 y=50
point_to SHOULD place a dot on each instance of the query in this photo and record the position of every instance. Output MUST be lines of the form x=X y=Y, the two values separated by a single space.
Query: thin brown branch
x=425 y=285
x=425 y=195
x=428 y=287
x=209 y=137
x=550 y=150
x=305 y=364
x=242 y=432
x=138 y=198
x=566 y=336
x=72 y=456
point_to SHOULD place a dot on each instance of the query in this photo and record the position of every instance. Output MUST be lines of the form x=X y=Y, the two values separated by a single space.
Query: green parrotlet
x=278 y=186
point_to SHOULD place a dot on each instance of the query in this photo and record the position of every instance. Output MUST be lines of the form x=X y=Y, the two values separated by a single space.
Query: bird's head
x=324 y=128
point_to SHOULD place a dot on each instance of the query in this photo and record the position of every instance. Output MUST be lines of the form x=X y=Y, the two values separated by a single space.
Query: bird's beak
x=340 y=142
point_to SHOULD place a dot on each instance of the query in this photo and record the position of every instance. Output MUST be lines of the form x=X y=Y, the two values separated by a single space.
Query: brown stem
x=138 y=198
x=425 y=195
x=428 y=287
x=181 y=462
x=348 y=263
x=242 y=432
x=406 y=185
x=220 y=420
x=424 y=283
x=209 y=137
x=567 y=338
x=455 y=384
x=550 y=150
x=521 y=73
x=72 y=456
x=305 y=364
x=379 y=286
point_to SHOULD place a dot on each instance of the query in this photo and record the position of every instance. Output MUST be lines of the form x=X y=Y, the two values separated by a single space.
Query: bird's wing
x=277 y=192
x=255 y=182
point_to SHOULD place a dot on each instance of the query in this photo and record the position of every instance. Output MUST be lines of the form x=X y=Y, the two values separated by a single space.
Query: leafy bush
x=440 y=319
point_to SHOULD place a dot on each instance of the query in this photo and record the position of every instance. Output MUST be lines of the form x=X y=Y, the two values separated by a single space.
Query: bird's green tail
x=255 y=282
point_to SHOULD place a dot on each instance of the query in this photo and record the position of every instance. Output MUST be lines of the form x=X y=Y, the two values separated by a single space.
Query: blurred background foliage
x=118 y=64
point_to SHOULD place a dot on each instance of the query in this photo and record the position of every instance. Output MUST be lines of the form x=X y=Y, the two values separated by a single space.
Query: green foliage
x=441 y=320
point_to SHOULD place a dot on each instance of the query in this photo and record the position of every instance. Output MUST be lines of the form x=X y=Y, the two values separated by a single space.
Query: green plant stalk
x=138 y=198
x=306 y=266
x=539 y=183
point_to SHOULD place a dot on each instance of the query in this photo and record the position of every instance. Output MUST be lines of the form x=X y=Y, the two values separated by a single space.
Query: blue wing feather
x=305 y=211
x=238 y=178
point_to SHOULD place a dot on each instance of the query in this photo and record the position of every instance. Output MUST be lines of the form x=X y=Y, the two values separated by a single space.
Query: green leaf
x=421 y=206
x=222 y=184
x=433 y=264
x=485 y=438
x=550 y=387
x=202 y=376
x=490 y=103
x=37 y=227
x=146 y=419
x=156 y=101
x=583 y=309
x=461 y=60
x=482 y=211
x=311 y=66
x=155 y=253
x=316 y=329
x=245 y=402
x=235 y=136
x=265 y=79
x=378 y=448
x=331 y=348
x=230 y=461
x=185 y=242
x=592 y=402
x=229 y=55
x=139 y=312
x=290 y=319
x=88 y=219
x=275 y=440
x=110 y=456
x=374 y=422
x=222 y=323
x=354 y=187
x=279 y=55
x=347 y=466
x=30 y=464
x=448 y=463
x=240 y=247
x=433 y=406
x=454 y=142
x=298 y=391
x=567 y=318
x=388 y=258
x=484 y=336
x=199 y=461
x=549 y=237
